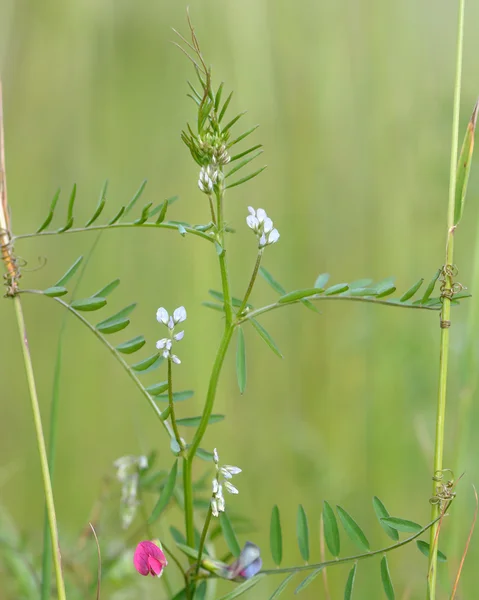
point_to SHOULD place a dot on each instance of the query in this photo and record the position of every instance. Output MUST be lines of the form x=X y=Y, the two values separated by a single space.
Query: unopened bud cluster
x=222 y=479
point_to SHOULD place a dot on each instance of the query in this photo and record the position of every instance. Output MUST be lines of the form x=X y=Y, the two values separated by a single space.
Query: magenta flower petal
x=149 y=558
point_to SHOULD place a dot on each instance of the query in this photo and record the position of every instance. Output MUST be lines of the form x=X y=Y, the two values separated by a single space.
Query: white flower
x=179 y=315
x=166 y=344
x=262 y=226
x=231 y=488
x=128 y=474
x=222 y=477
x=162 y=315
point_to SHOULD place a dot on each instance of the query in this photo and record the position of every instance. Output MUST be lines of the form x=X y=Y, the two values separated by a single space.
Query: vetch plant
x=166 y=477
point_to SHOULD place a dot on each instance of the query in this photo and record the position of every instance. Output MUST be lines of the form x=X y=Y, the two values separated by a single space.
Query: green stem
x=212 y=208
x=251 y=281
x=47 y=486
x=172 y=406
x=203 y=538
x=213 y=382
x=253 y=314
x=339 y=561
x=446 y=311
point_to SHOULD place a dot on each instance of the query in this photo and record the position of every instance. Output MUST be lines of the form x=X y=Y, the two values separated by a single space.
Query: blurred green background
x=354 y=99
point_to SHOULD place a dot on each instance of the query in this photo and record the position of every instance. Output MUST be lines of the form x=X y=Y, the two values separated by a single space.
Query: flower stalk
x=446 y=312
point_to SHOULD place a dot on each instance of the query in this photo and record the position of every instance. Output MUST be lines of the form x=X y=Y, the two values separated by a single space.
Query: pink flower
x=149 y=559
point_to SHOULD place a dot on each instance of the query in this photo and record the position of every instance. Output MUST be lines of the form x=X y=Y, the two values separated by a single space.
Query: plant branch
x=446 y=308
x=172 y=226
x=251 y=281
x=204 y=533
x=171 y=405
x=339 y=561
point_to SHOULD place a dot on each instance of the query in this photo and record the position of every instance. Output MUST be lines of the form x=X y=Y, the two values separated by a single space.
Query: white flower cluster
x=222 y=478
x=166 y=344
x=208 y=177
x=128 y=474
x=262 y=225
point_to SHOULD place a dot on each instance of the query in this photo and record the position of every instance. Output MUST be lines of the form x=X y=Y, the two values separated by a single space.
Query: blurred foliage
x=354 y=101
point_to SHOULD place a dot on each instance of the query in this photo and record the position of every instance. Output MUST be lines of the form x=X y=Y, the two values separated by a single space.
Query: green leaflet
x=411 y=291
x=165 y=495
x=309 y=579
x=51 y=212
x=244 y=587
x=71 y=203
x=299 y=294
x=241 y=361
x=88 y=304
x=229 y=535
x=355 y=533
x=100 y=205
x=266 y=275
x=132 y=345
x=464 y=166
x=177 y=396
x=430 y=287
x=195 y=421
x=135 y=199
x=55 y=291
x=146 y=363
x=336 y=289
x=302 y=532
x=120 y=315
x=382 y=513
x=402 y=524
x=386 y=579
x=321 y=280
x=113 y=326
x=276 y=537
x=246 y=178
x=282 y=586
x=348 y=591
x=423 y=548
x=331 y=531
x=108 y=289
x=70 y=273
x=266 y=337
x=157 y=388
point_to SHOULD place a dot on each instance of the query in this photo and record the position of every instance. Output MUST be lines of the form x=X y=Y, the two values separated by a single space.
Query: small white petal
x=267 y=225
x=221 y=504
x=232 y=470
x=262 y=241
x=219 y=493
x=162 y=315
x=179 y=315
x=179 y=336
x=215 y=486
x=252 y=222
x=171 y=323
x=214 y=508
x=252 y=211
x=261 y=214
x=160 y=344
x=166 y=354
x=226 y=474
x=216 y=458
x=175 y=359
x=273 y=237
x=231 y=488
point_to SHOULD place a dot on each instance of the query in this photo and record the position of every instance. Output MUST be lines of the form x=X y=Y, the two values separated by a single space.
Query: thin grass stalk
x=446 y=310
